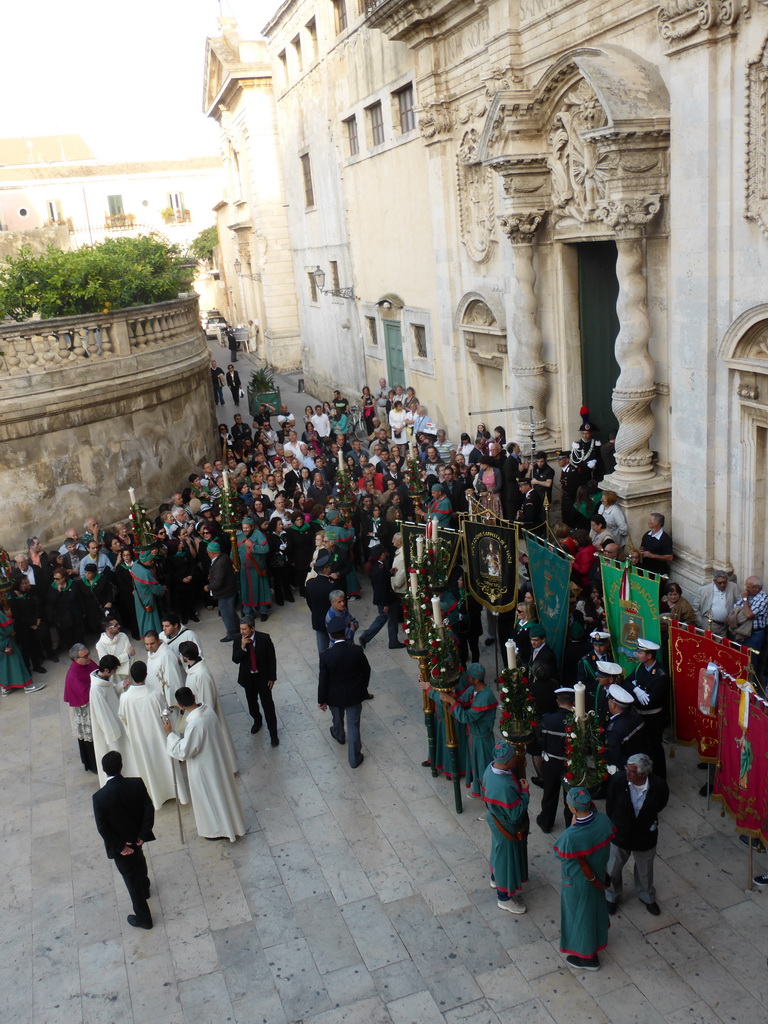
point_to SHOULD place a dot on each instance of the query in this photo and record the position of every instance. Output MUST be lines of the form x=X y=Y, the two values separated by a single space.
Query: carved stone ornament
x=484 y=339
x=520 y=228
x=478 y=314
x=579 y=171
x=679 y=19
x=468 y=146
x=756 y=206
x=624 y=215
x=436 y=122
x=476 y=209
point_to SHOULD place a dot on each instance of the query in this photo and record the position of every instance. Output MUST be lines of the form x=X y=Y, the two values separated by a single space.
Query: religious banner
x=700 y=663
x=741 y=780
x=410 y=534
x=550 y=570
x=631 y=599
x=490 y=564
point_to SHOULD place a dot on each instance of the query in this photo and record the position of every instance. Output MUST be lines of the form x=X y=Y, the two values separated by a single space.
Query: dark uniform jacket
x=221 y=577
x=344 y=675
x=316 y=597
x=624 y=736
x=124 y=813
x=641 y=832
x=552 y=733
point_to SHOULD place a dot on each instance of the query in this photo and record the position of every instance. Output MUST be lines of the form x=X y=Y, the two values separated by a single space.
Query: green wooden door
x=598 y=292
x=394 y=344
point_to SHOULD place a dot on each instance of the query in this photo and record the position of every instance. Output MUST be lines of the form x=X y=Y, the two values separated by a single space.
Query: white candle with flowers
x=414 y=585
x=132 y=495
x=225 y=477
x=341 y=459
x=437 y=612
x=511 y=653
x=419 y=548
x=580 y=703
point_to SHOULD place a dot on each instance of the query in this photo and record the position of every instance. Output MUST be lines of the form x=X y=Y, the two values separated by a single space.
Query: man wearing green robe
x=440 y=507
x=584 y=848
x=253 y=548
x=506 y=798
x=479 y=715
x=147 y=592
x=462 y=694
x=344 y=536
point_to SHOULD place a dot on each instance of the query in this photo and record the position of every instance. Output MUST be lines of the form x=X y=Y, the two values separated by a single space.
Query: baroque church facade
x=530 y=205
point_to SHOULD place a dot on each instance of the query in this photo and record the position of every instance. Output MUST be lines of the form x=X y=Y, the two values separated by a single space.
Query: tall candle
x=225 y=477
x=435 y=529
x=341 y=458
x=132 y=495
x=414 y=585
x=511 y=653
x=581 y=702
x=419 y=548
x=437 y=613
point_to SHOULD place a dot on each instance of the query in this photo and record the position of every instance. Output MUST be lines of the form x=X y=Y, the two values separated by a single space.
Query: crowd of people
x=300 y=536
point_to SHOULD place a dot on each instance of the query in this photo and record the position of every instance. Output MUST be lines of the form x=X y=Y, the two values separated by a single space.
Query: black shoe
x=761 y=880
x=536 y=781
x=215 y=839
x=757 y=844
x=541 y=825
x=275 y=741
x=148 y=893
x=55 y=660
x=582 y=963
x=362 y=758
x=39 y=668
x=136 y=923
x=226 y=640
x=490 y=641
x=368 y=696
x=396 y=647
x=612 y=907
x=702 y=764
x=341 y=740
x=426 y=764
x=705 y=789
x=255 y=727
x=653 y=908
x=363 y=643
x=264 y=618
x=195 y=618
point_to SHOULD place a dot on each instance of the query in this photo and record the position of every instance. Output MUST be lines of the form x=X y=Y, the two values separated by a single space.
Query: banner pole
x=429 y=716
x=672 y=715
x=750 y=883
x=496 y=638
x=453 y=746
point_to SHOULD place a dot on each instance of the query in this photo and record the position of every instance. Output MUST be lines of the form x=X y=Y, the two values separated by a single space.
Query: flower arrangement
x=414 y=478
x=415 y=622
x=141 y=527
x=584 y=750
x=229 y=511
x=345 y=491
x=518 y=710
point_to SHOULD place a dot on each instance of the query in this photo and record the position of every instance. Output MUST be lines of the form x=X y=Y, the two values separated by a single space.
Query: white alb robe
x=164 y=673
x=108 y=731
x=185 y=635
x=119 y=647
x=213 y=789
x=203 y=685
x=140 y=712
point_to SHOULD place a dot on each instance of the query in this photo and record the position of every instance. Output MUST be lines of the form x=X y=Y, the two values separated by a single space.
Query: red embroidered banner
x=741 y=780
x=691 y=651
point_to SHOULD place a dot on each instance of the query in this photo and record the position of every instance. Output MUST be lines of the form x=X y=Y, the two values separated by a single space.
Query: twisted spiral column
x=634 y=390
x=528 y=380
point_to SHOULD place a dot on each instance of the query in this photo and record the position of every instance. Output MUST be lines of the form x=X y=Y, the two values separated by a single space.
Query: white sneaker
x=493 y=884
x=33 y=687
x=6 y=691
x=514 y=905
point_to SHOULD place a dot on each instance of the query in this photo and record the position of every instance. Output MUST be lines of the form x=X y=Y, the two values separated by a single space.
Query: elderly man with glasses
x=715 y=602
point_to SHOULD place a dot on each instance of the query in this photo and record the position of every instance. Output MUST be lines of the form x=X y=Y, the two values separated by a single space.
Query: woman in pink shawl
x=77 y=692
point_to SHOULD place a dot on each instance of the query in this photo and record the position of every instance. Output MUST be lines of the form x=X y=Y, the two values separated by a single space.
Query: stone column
x=528 y=380
x=634 y=390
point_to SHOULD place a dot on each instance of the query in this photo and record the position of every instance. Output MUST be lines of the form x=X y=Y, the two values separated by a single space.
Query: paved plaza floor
x=357 y=897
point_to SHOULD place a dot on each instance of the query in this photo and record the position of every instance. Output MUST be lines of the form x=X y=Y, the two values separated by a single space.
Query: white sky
x=128 y=77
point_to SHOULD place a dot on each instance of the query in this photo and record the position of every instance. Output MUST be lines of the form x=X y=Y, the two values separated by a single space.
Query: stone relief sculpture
x=756 y=206
x=678 y=19
x=476 y=200
x=435 y=121
x=579 y=171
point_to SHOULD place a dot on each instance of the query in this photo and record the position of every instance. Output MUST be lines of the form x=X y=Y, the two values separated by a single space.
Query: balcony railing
x=119 y=221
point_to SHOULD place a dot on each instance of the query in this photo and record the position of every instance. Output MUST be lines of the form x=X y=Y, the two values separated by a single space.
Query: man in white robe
x=164 y=673
x=212 y=787
x=203 y=685
x=141 y=712
x=107 y=729
x=113 y=641
x=174 y=634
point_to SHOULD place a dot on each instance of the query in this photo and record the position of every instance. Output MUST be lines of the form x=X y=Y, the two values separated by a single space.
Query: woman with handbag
x=506 y=796
x=279 y=568
x=233 y=383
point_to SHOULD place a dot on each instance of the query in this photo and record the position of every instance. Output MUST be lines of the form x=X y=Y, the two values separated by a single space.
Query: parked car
x=215 y=326
x=206 y=314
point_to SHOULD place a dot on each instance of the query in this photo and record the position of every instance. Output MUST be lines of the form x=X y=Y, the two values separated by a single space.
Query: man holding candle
x=253 y=548
x=440 y=509
x=480 y=716
x=147 y=592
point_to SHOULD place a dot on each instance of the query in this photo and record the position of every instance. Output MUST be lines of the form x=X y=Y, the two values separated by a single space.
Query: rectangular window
x=176 y=201
x=339 y=15
x=406 y=109
x=283 y=65
x=352 y=140
x=334 y=275
x=296 y=44
x=312 y=287
x=312 y=33
x=420 y=340
x=115 y=206
x=54 y=210
x=377 y=124
x=306 y=170
x=373 y=336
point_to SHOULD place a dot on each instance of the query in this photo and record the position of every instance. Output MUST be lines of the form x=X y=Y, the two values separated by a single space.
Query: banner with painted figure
x=448 y=541
x=700 y=664
x=490 y=564
x=741 y=780
x=550 y=570
x=631 y=600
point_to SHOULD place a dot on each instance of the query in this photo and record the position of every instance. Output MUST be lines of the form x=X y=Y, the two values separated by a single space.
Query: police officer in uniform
x=552 y=730
x=650 y=685
x=586 y=671
x=569 y=484
x=625 y=733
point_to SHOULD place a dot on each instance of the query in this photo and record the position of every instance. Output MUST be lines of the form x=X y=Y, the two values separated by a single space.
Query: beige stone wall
x=76 y=436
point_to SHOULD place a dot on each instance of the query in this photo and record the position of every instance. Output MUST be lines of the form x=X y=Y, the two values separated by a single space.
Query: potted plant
x=262 y=388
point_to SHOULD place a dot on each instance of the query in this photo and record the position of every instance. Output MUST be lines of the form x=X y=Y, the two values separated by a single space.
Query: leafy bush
x=201 y=248
x=114 y=274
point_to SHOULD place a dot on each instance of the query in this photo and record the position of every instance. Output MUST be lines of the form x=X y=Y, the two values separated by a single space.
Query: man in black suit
x=624 y=734
x=254 y=654
x=318 y=598
x=543 y=660
x=531 y=512
x=634 y=800
x=222 y=586
x=343 y=686
x=124 y=817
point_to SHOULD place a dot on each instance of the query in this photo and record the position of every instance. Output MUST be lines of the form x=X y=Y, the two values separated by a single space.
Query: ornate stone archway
x=584 y=155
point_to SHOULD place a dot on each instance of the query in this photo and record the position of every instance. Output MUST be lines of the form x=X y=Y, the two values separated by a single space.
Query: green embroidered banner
x=550 y=570
x=632 y=610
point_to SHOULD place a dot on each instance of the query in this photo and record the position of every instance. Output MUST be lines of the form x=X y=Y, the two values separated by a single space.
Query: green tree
x=201 y=248
x=114 y=274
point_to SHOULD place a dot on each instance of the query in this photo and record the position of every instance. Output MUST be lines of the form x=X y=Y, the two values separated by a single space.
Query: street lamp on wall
x=239 y=271
x=340 y=293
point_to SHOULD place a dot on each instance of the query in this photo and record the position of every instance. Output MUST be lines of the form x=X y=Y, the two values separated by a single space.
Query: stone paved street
x=358 y=897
